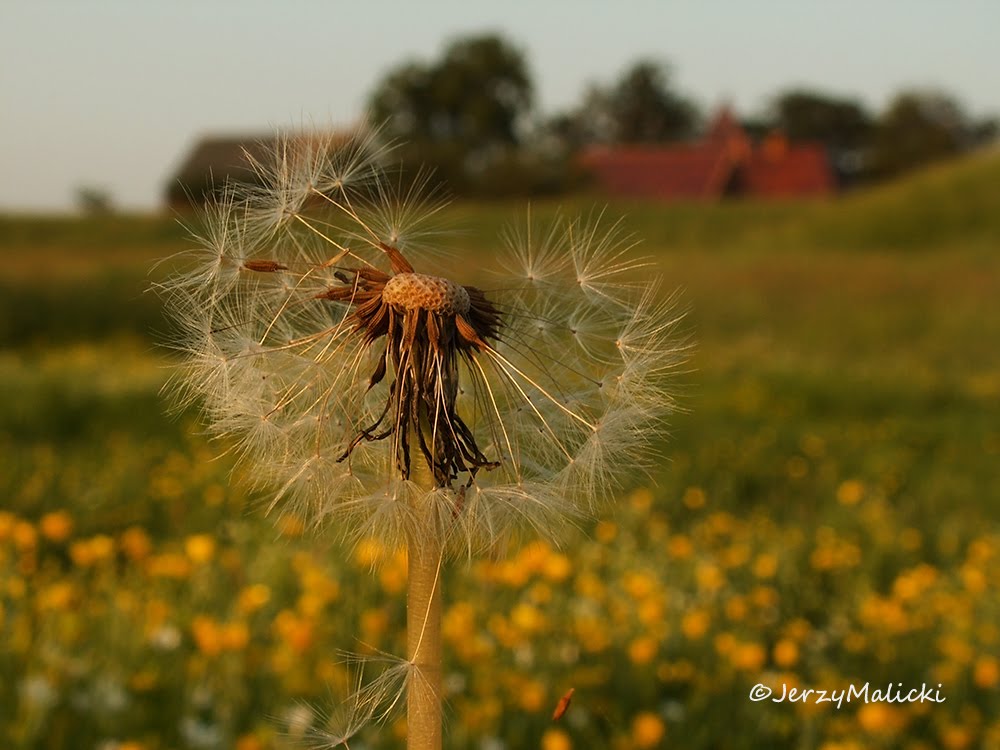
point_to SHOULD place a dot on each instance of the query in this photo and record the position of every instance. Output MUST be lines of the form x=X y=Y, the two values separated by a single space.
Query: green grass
x=841 y=416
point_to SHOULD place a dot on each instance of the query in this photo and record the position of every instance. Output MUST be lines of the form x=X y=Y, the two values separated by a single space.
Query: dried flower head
x=364 y=379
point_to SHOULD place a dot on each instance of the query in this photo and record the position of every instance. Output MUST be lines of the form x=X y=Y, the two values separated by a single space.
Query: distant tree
x=645 y=109
x=757 y=127
x=641 y=107
x=844 y=126
x=463 y=114
x=94 y=201
x=812 y=116
x=986 y=131
x=919 y=127
x=593 y=121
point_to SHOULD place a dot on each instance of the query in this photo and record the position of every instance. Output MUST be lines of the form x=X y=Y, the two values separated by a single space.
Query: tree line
x=471 y=116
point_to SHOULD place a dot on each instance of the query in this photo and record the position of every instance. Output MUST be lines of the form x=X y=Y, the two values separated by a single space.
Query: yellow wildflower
x=57 y=596
x=207 y=635
x=57 y=526
x=786 y=653
x=736 y=608
x=981 y=550
x=527 y=618
x=295 y=631
x=850 y=492
x=749 y=657
x=709 y=577
x=249 y=742
x=169 y=565
x=911 y=584
x=557 y=567
x=592 y=633
x=647 y=730
x=642 y=650
x=88 y=552
x=143 y=681
x=7 y=522
x=765 y=565
x=986 y=672
x=855 y=642
x=458 y=622
x=651 y=612
x=813 y=446
x=735 y=555
x=955 y=737
x=253 y=597
x=694 y=498
x=214 y=494
x=679 y=547
x=393 y=574
x=639 y=585
x=590 y=586
x=540 y=593
x=135 y=543
x=102 y=547
x=368 y=553
x=24 y=535
x=641 y=500
x=798 y=629
x=694 y=624
x=880 y=718
x=606 y=531
x=956 y=649
x=725 y=643
x=764 y=596
x=200 y=548
x=235 y=636
x=973 y=579
x=16 y=587
x=531 y=696
x=291 y=526
x=375 y=622
x=721 y=523
x=556 y=739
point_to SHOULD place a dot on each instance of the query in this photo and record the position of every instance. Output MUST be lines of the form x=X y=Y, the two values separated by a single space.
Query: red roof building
x=724 y=163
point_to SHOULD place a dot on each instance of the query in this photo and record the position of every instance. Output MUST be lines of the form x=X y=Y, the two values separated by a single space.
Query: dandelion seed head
x=362 y=381
x=412 y=291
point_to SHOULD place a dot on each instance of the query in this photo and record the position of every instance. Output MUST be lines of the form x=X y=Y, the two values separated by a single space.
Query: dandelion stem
x=423 y=641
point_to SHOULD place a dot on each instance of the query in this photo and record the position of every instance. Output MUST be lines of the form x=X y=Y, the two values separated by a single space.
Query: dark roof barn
x=212 y=163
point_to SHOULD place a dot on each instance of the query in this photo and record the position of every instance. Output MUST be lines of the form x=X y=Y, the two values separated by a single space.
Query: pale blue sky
x=111 y=94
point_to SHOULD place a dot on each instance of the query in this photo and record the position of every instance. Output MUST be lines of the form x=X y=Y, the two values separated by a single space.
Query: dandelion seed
x=373 y=390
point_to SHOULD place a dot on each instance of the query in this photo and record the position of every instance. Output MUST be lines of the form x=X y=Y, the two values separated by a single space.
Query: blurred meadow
x=826 y=512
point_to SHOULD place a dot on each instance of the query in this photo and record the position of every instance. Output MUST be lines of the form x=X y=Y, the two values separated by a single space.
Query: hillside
x=954 y=202
x=948 y=204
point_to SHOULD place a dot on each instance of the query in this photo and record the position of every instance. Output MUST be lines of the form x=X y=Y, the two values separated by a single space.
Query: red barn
x=725 y=163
